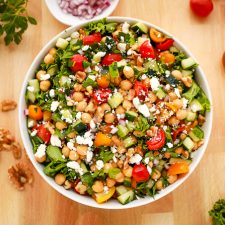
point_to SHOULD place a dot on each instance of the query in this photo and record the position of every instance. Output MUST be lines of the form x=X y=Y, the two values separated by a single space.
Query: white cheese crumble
x=75 y=166
x=86 y=139
x=85 y=48
x=70 y=145
x=92 y=125
x=114 y=149
x=154 y=82
x=30 y=123
x=89 y=156
x=167 y=72
x=66 y=115
x=135 y=159
x=122 y=47
x=143 y=109
x=88 y=69
x=45 y=76
x=40 y=151
x=144 y=76
x=130 y=51
x=177 y=92
x=146 y=160
x=99 y=164
x=185 y=103
x=54 y=106
x=75 y=35
x=149 y=169
x=170 y=145
x=30 y=88
x=114 y=159
x=52 y=93
x=97 y=57
x=92 y=77
x=55 y=141
x=78 y=115
x=125 y=27
x=33 y=133
x=114 y=129
x=105 y=189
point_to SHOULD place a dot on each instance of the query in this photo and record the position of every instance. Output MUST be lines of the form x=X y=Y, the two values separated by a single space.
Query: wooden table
x=189 y=204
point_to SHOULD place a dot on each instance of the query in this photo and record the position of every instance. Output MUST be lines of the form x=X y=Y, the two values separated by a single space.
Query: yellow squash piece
x=103 y=197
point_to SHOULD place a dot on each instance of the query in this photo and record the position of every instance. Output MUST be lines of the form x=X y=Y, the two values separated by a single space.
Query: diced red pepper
x=101 y=95
x=141 y=91
x=158 y=141
x=43 y=133
x=165 y=45
x=91 y=39
x=110 y=58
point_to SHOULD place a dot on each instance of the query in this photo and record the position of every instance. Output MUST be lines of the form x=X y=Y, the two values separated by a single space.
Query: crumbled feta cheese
x=30 y=88
x=52 y=93
x=105 y=189
x=170 y=145
x=92 y=125
x=136 y=102
x=75 y=166
x=114 y=159
x=154 y=82
x=40 y=151
x=85 y=47
x=75 y=35
x=72 y=77
x=152 y=109
x=146 y=160
x=114 y=149
x=149 y=169
x=177 y=92
x=167 y=72
x=120 y=116
x=97 y=57
x=143 y=109
x=130 y=51
x=185 y=103
x=30 y=123
x=45 y=76
x=66 y=115
x=99 y=164
x=125 y=27
x=54 y=106
x=97 y=68
x=70 y=145
x=167 y=87
x=88 y=69
x=93 y=77
x=86 y=139
x=144 y=76
x=122 y=47
x=33 y=133
x=78 y=115
x=135 y=159
x=114 y=129
x=89 y=156
x=80 y=52
x=55 y=141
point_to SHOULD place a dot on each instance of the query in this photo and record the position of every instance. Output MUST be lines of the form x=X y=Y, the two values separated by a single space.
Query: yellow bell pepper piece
x=103 y=197
x=171 y=106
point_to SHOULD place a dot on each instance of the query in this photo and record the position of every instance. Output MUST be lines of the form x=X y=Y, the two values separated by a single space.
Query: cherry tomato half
x=110 y=58
x=146 y=50
x=201 y=7
x=141 y=91
x=91 y=39
x=157 y=141
x=77 y=60
x=165 y=45
x=102 y=95
x=140 y=173
x=43 y=133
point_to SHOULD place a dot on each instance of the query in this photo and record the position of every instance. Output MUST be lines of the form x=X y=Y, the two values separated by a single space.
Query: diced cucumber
x=52 y=70
x=84 y=167
x=64 y=80
x=34 y=83
x=196 y=134
x=151 y=64
x=130 y=141
x=140 y=27
x=173 y=49
x=54 y=153
x=121 y=63
x=169 y=136
x=196 y=106
x=191 y=116
x=192 y=92
x=187 y=73
x=80 y=127
x=188 y=63
x=150 y=183
x=122 y=131
x=188 y=143
x=61 y=43
x=131 y=115
x=126 y=197
x=31 y=123
x=160 y=93
x=141 y=40
x=131 y=126
x=115 y=100
x=113 y=70
x=127 y=182
x=31 y=96
x=179 y=160
x=121 y=190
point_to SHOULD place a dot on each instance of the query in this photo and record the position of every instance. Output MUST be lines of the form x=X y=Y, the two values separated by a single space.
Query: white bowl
x=112 y=204
x=71 y=20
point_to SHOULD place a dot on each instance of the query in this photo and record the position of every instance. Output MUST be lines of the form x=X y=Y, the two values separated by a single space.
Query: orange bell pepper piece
x=102 y=140
x=178 y=168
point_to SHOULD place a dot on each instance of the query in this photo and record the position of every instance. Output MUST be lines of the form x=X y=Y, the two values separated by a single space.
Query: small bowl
x=86 y=200
x=71 y=20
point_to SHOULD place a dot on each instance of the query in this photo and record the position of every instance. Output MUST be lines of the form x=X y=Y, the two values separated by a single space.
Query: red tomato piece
x=110 y=58
x=77 y=60
x=177 y=132
x=201 y=8
x=141 y=91
x=157 y=141
x=43 y=133
x=140 y=173
x=102 y=95
x=91 y=39
x=146 y=50
x=165 y=45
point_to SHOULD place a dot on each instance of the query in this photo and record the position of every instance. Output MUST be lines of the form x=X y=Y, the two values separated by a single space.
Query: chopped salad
x=114 y=111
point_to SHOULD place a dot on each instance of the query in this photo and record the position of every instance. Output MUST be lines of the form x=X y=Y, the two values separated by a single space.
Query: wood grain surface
x=187 y=205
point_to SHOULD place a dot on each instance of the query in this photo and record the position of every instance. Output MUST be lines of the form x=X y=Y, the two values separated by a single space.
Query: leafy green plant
x=218 y=212
x=14 y=20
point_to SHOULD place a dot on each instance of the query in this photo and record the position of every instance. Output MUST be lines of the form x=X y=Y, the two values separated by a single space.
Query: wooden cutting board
x=189 y=204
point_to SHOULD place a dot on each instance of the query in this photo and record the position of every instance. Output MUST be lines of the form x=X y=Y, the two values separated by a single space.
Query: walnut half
x=8 y=105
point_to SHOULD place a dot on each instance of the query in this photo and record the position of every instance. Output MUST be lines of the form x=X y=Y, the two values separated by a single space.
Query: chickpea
x=52 y=52
x=128 y=72
x=125 y=85
x=173 y=121
x=128 y=172
x=81 y=106
x=172 y=178
x=105 y=107
x=39 y=73
x=40 y=159
x=60 y=179
x=82 y=150
x=178 y=103
x=187 y=81
x=183 y=136
x=78 y=96
x=98 y=186
x=67 y=185
x=172 y=95
x=60 y=125
x=179 y=150
x=181 y=114
x=81 y=188
x=140 y=61
x=109 y=117
x=107 y=166
x=159 y=185
x=185 y=154
x=152 y=97
x=71 y=135
x=66 y=151
x=127 y=105
x=80 y=76
x=47 y=116
x=90 y=107
x=177 y=74
x=146 y=82
x=120 y=110
x=167 y=155
x=120 y=163
x=119 y=177
x=73 y=155
x=110 y=182
x=155 y=174
x=121 y=149
x=93 y=167
x=86 y=117
x=49 y=59
x=89 y=89
x=77 y=87
x=45 y=85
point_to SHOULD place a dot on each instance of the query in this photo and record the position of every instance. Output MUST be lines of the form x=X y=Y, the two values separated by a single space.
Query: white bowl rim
x=88 y=201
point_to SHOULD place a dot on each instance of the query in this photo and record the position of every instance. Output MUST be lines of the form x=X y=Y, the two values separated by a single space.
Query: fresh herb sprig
x=14 y=20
